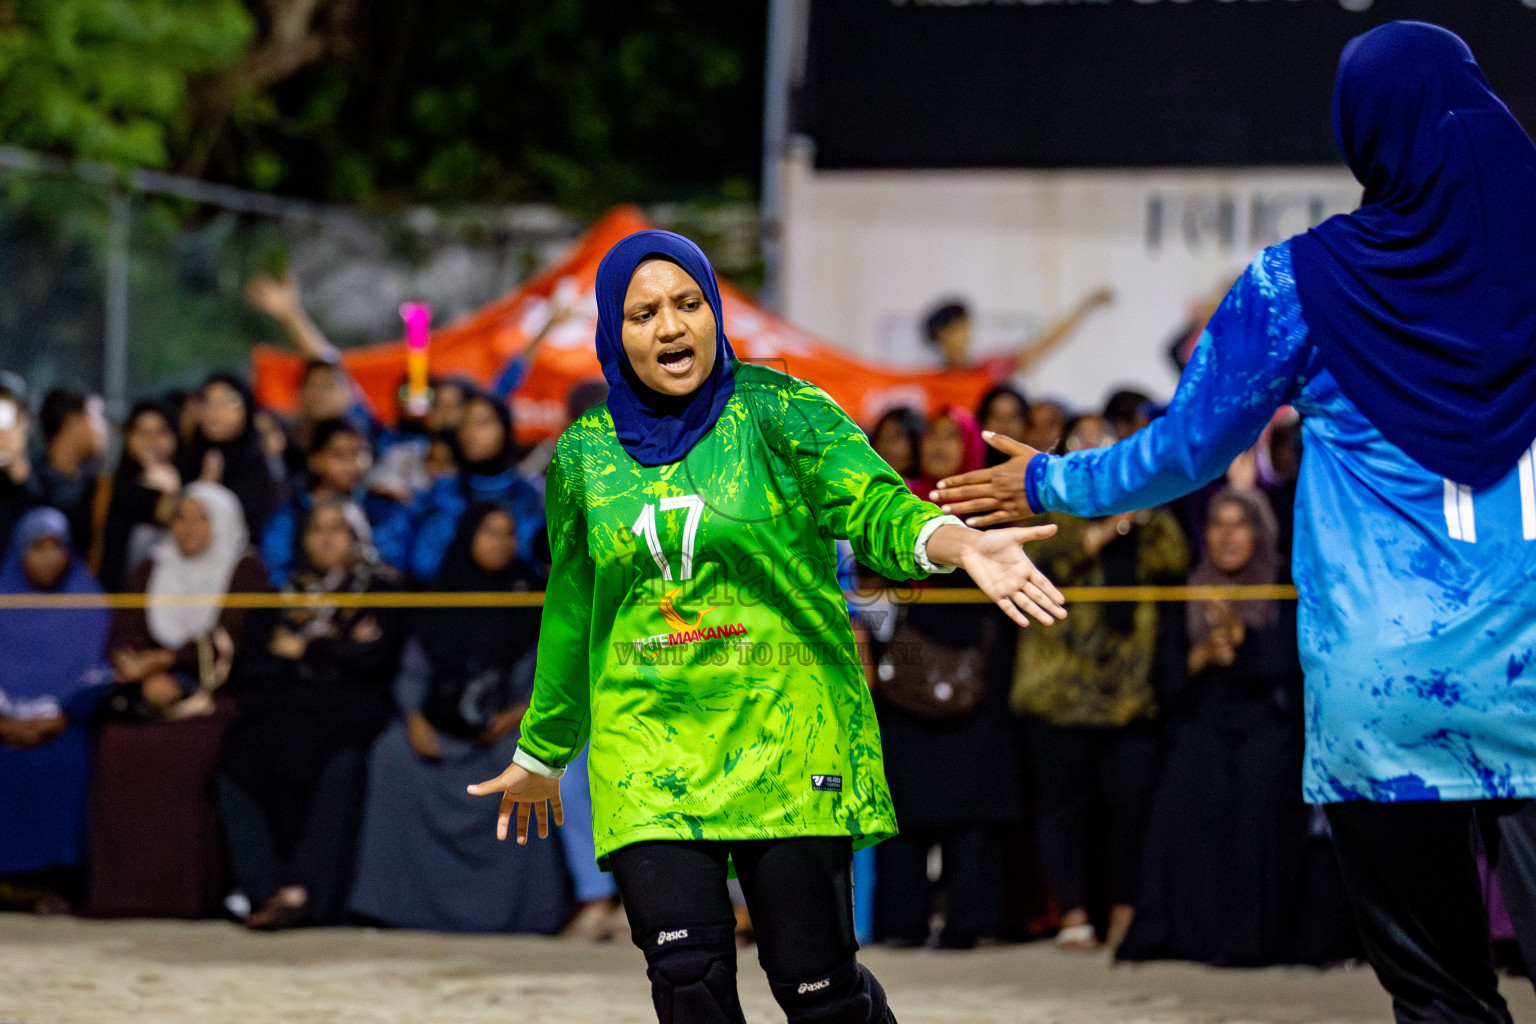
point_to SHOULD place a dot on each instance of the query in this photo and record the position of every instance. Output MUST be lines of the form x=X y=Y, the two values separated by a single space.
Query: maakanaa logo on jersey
x=683 y=631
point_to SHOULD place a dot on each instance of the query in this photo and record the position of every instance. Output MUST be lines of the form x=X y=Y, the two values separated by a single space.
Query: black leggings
x=800 y=894
x=324 y=852
x=1078 y=770
x=1411 y=873
x=972 y=881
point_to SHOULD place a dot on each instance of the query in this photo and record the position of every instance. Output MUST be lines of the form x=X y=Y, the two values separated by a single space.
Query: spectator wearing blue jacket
x=339 y=457
x=487 y=471
x=1405 y=335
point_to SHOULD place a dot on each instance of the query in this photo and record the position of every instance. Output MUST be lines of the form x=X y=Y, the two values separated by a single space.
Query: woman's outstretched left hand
x=527 y=795
x=996 y=561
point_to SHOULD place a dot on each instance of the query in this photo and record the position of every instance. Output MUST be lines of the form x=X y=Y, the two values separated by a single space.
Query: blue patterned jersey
x=1417 y=595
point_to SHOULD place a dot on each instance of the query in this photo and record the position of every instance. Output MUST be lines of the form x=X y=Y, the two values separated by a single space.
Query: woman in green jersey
x=694 y=632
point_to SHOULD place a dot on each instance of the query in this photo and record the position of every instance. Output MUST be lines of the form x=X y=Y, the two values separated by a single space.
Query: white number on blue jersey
x=1528 y=493
x=1461 y=516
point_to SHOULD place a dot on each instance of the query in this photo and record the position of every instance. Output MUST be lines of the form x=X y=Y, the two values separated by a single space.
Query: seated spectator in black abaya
x=141 y=493
x=426 y=859
x=226 y=448
x=291 y=790
x=1224 y=865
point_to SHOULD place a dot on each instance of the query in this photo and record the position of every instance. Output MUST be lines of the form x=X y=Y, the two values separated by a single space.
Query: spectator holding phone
x=74 y=437
x=16 y=494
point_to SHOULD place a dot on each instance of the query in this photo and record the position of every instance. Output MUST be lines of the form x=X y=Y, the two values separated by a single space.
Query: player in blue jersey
x=1405 y=333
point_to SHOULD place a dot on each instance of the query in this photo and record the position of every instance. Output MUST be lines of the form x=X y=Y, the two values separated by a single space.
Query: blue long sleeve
x=394 y=528
x=1413 y=618
x=528 y=507
x=440 y=509
x=1250 y=361
x=363 y=414
x=279 y=542
x=510 y=377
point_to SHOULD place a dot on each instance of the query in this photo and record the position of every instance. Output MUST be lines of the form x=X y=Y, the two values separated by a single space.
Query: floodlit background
x=1105 y=167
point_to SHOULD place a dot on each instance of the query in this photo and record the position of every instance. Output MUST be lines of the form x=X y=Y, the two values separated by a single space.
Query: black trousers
x=1078 y=772
x=1411 y=873
x=972 y=878
x=799 y=892
x=324 y=852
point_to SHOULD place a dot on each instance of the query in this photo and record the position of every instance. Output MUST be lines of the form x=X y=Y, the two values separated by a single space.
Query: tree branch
x=291 y=43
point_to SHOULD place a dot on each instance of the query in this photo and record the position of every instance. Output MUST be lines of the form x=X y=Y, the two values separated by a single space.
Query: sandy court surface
x=63 y=971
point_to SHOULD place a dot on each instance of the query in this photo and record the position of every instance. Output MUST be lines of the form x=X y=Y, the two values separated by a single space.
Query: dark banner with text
x=1110 y=83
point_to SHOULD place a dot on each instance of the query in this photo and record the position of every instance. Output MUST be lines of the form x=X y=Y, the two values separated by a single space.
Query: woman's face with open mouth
x=669 y=329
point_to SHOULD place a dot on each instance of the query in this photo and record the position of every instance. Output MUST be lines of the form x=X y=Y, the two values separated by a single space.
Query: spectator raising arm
x=1039 y=347
x=515 y=370
x=1249 y=362
x=278 y=297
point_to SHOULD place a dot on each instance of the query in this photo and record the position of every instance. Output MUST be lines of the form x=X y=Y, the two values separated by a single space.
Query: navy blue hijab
x=1423 y=301
x=656 y=428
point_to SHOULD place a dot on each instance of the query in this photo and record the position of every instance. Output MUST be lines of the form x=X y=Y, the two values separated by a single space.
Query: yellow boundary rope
x=535 y=599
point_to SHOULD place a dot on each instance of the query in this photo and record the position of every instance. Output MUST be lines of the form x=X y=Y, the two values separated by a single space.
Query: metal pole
x=776 y=76
x=114 y=362
x=160 y=183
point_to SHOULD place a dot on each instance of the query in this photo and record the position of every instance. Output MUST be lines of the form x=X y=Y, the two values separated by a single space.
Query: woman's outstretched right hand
x=996 y=563
x=526 y=795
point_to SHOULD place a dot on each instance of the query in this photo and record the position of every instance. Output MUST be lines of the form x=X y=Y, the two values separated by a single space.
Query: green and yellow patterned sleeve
x=857 y=496
x=555 y=728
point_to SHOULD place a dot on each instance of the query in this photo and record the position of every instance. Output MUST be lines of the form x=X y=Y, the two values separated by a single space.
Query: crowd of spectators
x=1130 y=778
x=192 y=752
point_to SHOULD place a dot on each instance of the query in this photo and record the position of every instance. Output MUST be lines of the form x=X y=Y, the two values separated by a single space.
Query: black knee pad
x=848 y=995
x=693 y=975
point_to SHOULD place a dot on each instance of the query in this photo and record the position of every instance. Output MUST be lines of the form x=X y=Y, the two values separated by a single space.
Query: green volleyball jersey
x=695 y=629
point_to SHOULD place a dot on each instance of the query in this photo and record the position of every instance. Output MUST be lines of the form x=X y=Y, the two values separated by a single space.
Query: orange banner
x=481 y=343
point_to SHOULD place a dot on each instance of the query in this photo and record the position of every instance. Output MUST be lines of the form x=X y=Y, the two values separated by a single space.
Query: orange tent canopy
x=480 y=344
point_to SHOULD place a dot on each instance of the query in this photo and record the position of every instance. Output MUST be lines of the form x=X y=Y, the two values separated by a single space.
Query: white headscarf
x=171 y=623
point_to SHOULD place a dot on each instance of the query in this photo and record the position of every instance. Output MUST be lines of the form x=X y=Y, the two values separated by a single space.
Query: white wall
x=867 y=253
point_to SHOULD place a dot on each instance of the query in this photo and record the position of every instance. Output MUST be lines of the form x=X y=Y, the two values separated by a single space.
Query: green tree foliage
x=379 y=102
x=582 y=102
x=110 y=79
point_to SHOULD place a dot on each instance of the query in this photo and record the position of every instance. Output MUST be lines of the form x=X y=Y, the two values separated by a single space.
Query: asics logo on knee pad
x=666 y=937
x=807 y=987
